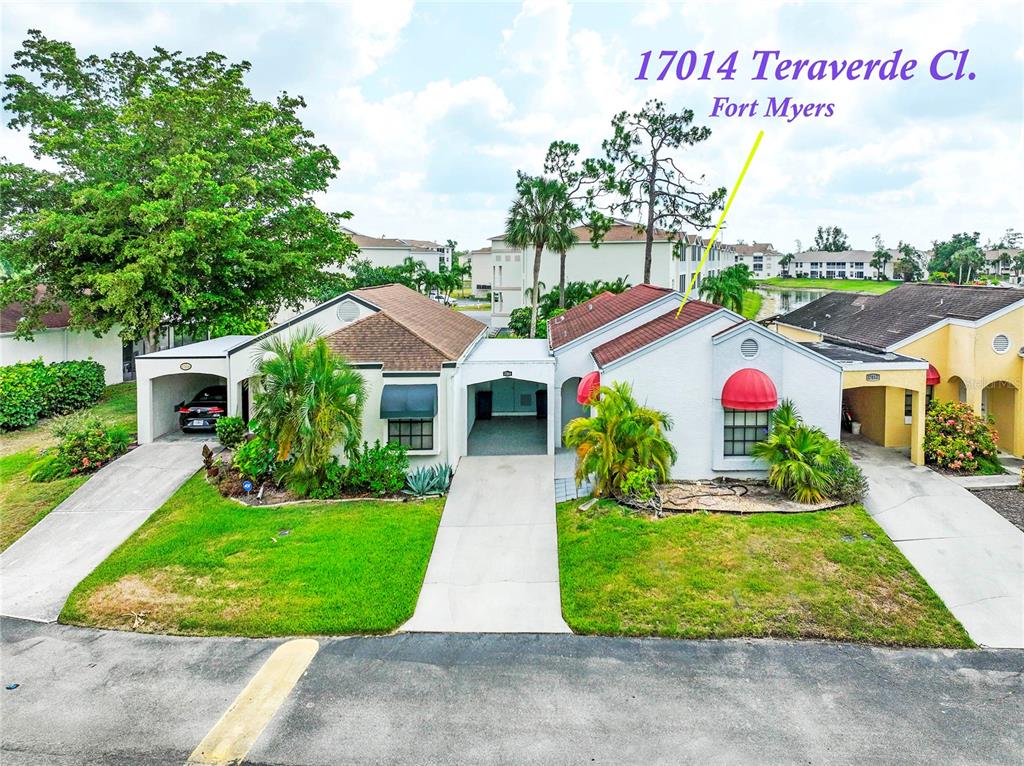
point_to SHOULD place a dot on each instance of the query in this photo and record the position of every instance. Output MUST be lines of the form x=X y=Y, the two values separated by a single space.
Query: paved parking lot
x=91 y=697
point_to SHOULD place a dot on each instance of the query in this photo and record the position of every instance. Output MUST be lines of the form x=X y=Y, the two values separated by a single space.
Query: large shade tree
x=644 y=154
x=831 y=239
x=176 y=196
x=542 y=215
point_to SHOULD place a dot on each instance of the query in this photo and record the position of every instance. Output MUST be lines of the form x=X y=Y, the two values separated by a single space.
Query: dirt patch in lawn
x=1008 y=503
x=137 y=600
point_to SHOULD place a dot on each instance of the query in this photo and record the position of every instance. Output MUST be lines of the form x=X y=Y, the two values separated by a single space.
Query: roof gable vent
x=348 y=311
x=1001 y=343
x=749 y=348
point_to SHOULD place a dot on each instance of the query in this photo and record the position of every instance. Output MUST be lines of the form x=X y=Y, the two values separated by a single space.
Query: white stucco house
x=620 y=253
x=392 y=251
x=440 y=386
x=56 y=342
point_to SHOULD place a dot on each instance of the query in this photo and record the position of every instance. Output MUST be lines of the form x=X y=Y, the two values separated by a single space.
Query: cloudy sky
x=432 y=107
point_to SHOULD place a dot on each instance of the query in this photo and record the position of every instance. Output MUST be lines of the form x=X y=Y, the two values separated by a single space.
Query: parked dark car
x=203 y=411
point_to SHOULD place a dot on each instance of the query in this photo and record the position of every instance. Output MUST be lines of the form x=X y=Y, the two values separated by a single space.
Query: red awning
x=933 y=378
x=588 y=387
x=749 y=389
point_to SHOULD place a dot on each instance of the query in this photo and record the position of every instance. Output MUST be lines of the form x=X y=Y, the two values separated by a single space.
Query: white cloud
x=652 y=14
x=375 y=31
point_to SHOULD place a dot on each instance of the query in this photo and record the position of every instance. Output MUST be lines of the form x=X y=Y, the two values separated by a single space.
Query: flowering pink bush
x=958 y=438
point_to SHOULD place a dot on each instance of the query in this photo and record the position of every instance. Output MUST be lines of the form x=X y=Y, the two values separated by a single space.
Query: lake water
x=784 y=301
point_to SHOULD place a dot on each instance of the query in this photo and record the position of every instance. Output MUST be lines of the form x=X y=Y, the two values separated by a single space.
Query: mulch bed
x=732 y=496
x=1008 y=503
x=229 y=483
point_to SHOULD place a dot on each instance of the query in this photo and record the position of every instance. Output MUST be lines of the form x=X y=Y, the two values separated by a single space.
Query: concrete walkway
x=41 y=569
x=494 y=568
x=971 y=556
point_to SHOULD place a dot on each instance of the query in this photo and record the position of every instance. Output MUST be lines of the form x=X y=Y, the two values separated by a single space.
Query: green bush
x=22 y=394
x=33 y=390
x=640 y=485
x=231 y=431
x=255 y=459
x=958 y=438
x=48 y=468
x=848 y=484
x=86 y=444
x=72 y=386
x=379 y=470
x=333 y=482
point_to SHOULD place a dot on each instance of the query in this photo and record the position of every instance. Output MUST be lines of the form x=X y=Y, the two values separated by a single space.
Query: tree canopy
x=644 y=170
x=944 y=253
x=178 y=197
x=831 y=239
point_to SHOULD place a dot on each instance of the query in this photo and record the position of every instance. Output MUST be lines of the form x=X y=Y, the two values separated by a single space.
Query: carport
x=506 y=386
x=165 y=378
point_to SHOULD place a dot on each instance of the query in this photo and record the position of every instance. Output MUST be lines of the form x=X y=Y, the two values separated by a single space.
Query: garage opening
x=170 y=393
x=507 y=416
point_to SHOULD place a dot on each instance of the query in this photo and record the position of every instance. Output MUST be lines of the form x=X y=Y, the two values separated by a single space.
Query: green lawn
x=832 y=575
x=855 y=285
x=22 y=502
x=209 y=566
x=752 y=304
x=474 y=307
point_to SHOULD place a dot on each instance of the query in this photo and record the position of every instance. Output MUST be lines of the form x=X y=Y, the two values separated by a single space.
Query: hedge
x=33 y=390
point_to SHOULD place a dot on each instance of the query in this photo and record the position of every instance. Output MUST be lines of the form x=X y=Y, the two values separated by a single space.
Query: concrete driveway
x=494 y=567
x=971 y=556
x=41 y=569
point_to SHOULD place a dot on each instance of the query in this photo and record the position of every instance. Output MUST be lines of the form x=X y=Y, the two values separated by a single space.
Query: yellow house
x=921 y=341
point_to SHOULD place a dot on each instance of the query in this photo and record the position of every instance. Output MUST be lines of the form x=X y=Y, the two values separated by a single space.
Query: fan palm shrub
x=622 y=436
x=307 y=401
x=801 y=458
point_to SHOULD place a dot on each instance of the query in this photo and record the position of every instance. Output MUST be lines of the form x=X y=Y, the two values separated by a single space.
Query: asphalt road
x=91 y=697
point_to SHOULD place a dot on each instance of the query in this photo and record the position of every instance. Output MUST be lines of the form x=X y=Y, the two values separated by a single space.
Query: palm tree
x=728 y=287
x=784 y=262
x=801 y=458
x=307 y=401
x=620 y=437
x=541 y=213
x=561 y=243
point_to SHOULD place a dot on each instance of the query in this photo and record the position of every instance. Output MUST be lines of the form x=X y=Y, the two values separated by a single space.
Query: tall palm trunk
x=538 y=249
x=561 y=279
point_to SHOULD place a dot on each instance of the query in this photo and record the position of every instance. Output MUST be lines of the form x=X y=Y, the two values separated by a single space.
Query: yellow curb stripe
x=721 y=220
x=235 y=733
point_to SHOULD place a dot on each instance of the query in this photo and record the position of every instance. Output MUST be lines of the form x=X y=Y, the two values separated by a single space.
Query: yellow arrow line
x=725 y=212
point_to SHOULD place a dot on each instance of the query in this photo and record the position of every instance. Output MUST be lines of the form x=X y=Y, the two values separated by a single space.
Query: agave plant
x=429 y=480
x=801 y=458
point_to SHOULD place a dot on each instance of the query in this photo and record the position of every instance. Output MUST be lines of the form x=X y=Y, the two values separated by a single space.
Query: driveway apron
x=494 y=567
x=42 y=568
x=971 y=556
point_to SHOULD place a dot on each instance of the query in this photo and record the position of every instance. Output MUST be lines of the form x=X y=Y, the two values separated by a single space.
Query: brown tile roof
x=879 y=321
x=396 y=242
x=654 y=330
x=755 y=247
x=11 y=314
x=600 y=310
x=380 y=339
x=419 y=334
x=624 y=232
